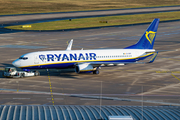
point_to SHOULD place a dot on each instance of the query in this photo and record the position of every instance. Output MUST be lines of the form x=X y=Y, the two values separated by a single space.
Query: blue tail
x=148 y=38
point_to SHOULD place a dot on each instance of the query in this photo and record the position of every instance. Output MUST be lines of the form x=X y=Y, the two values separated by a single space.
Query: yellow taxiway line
x=175 y=76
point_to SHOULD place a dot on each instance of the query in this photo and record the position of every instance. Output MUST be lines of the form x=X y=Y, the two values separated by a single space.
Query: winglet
x=153 y=58
x=70 y=45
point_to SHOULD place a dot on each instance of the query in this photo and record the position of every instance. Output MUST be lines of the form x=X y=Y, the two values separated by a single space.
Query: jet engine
x=84 y=67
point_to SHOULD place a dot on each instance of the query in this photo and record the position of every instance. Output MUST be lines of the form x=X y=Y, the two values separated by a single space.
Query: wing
x=69 y=45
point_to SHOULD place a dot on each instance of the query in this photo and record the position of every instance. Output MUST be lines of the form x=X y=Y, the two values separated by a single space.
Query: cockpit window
x=24 y=58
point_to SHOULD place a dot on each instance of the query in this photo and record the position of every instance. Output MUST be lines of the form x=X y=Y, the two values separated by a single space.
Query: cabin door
x=36 y=59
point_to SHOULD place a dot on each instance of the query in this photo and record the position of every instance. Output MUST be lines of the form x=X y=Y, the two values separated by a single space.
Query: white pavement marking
x=88 y=99
x=21 y=98
x=161 y=89
x=129 y=88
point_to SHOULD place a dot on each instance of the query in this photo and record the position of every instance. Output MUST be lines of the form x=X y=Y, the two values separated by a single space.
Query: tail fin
x=148 y=38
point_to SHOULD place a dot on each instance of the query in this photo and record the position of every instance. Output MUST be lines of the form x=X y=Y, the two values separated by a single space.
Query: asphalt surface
x=18 y=19
x=137 y=84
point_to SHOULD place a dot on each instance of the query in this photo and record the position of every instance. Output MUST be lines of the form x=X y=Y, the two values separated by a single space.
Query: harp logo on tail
x=150 y=36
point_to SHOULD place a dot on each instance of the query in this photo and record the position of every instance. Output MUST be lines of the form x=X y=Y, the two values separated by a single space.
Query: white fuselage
x=63 y=59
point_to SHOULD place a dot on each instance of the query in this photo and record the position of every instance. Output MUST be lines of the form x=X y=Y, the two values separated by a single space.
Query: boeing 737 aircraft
x=91 y=60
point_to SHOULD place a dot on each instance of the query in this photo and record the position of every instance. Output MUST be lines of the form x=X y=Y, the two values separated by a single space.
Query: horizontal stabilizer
x=153 y=58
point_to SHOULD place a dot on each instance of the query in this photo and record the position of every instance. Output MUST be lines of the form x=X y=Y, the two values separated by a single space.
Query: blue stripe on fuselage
x=51 y=66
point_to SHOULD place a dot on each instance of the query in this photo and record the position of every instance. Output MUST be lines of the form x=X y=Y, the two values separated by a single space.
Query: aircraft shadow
x=63 y=73
x=56 y=72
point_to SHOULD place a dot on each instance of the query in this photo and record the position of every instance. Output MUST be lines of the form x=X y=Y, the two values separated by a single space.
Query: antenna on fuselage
x=70 y=45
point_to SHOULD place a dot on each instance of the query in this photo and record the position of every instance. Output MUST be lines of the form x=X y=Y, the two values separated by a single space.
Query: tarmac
x=152 y=84
x=144 y=84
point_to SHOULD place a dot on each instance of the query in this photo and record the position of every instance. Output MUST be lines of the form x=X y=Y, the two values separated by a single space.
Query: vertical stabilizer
x=148 y=38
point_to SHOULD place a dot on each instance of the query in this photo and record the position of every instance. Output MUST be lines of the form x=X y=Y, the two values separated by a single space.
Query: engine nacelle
x=84 y=67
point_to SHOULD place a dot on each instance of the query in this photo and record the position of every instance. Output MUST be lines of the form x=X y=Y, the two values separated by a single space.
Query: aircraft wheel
x=21 y=75
x=36 y=73
x=96 y=72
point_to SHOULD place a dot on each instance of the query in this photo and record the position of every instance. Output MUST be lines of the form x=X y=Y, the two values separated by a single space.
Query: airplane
x=92 y=60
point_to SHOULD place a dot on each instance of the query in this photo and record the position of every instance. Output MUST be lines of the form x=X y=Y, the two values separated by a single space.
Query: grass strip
x=44 y=6
x=95 y=22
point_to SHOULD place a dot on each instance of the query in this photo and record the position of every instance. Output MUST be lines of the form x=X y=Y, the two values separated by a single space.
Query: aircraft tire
x=36 y=73
x=21 y=75
x=96 y=72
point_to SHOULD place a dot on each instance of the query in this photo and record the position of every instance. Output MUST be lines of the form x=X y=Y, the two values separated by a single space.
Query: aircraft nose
x=16 y=63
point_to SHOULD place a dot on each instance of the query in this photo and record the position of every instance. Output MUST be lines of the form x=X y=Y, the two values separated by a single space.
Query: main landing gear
x=96 y=71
